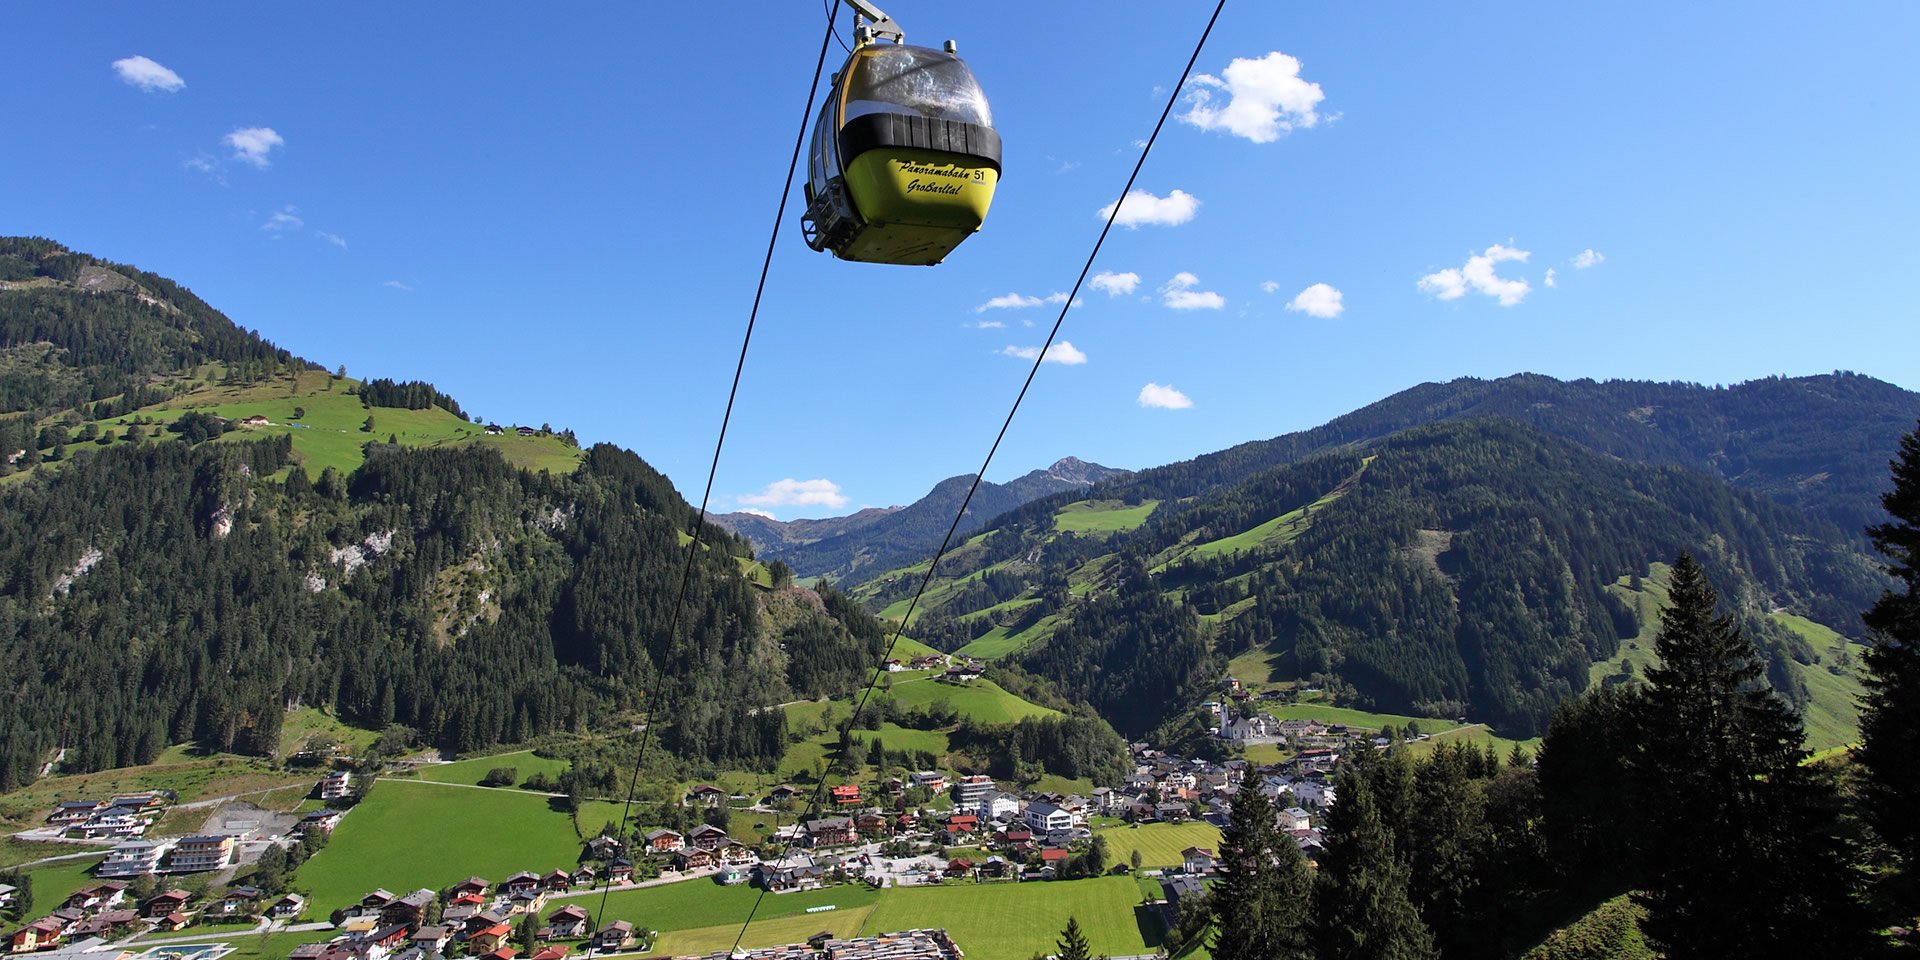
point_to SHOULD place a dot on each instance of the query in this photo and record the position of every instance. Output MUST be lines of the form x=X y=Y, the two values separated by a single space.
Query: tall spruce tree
x=1444 y=842
x=1072 y=944
x=1361 y=907
x=1740 y=857
x=1890 y=713
x=1261 y=905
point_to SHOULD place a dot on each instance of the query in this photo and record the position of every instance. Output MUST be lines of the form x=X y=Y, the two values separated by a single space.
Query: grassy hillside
x=1102 y=516
x=329 y=432
x=982 y=700
x=1018 y=921
x=407 y=835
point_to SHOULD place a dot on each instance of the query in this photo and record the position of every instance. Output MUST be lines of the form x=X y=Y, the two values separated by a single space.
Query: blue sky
x=560 y=218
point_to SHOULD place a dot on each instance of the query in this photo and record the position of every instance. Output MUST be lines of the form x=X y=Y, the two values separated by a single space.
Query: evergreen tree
x=1443 y=843
x=1260 y=906
x=1739 y=858
x=1073 y=944
x=1890 y=713
x=1362 y=910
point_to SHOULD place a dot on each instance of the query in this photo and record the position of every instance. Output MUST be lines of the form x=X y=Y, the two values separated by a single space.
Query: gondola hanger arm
x=881 y=25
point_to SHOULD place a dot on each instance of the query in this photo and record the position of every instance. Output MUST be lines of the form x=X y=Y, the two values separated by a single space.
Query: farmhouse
x=706 y=795
x=708 y=837
x=161 y=904
x=287 y=907
x=568 y=923
x=617 y=935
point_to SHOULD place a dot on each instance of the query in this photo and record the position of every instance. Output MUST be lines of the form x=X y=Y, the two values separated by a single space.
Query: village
x=977 y=832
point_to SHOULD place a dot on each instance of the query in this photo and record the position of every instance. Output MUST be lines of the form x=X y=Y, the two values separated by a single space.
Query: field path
x=471 y=786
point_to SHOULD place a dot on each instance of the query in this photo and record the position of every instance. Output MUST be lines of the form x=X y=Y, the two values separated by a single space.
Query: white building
x=193 y=854
x=134 y=858
x=1294 y=818
x=969 y=791
x=931 y=779
x=1047 y=817
x=336 y=785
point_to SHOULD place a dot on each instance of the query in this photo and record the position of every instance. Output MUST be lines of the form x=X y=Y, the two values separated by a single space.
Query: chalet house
x=1197 y=860
x=1183 y=890
x=693 y=858
x=74 y=812
x=929 y=662
x=113 y=823
x=471 y=886
x=287 y=907
x=494 y=430
x=557 y=881
x=463 y=906
x=390 y=936
x=568 y=923
x=707 y=795
x=604 y=848
x=254 y=421
x=584 y=877
x=871 y=824
x=236 y=902
x=959 y=868
x=526 y=881
x=525 y=431
x=907 y=820
x=1171 y=812
x=172 y=922
x=195 y=854
x=895 y=666
x=966 y=673
x=1314 y=793
x=484 y=920
x=321 y=820
x=42 y=934
x=523 y=902
x=783 y=793
x=615 y=936
x=736 y=855
x=98 y=897
x=845 y=795
x=620 y=871
x=161 y=904
x=488 y=939
x=830 y=831
x=777 y=879
x=336 y=785
x=552 y=951
x=432 y=939
x=665 y=841
x=410 y=909
x=708 y=837
x=1052 y=858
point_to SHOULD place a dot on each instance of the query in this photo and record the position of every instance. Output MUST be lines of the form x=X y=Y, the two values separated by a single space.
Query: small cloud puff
x=1062 y=353
x=1266 y=99
x=1116 y=284
x=397 y=285
x=1161 y=397
x=147 y=75
x=1141 y=208
x=253 y=144
x=1178 y=294
x=1320 y=300
x=1479 y=275
x=1018 y=301
x=1588 y=258
x=789 y=492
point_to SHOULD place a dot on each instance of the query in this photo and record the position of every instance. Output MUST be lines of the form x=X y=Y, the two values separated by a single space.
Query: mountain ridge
x=875 y=538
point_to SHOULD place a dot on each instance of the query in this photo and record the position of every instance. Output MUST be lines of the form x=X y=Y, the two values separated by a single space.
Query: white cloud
x=397 y=285
x=796 y=493
x=1269 y=286
x=1588 y=258
x=1020 y=301
x=283 y=220
x=1116 y=284
x=148 y=75
x=1179 y=294
x=1142 y=208
x=988 y=325
x=202 y=162
x=1320 y=300
x=252 y=144
x=1062 y=353
x=1266 y=99
x=1551 y=281
x=333 y=238
x=1479 y=275
x=1011 y=301
x=1155 y=395
x=758 y=512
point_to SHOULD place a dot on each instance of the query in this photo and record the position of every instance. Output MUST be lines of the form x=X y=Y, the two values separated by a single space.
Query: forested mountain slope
x=878 y=539
x=1456 y=568
x=1820 y=443
x=166 y=577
